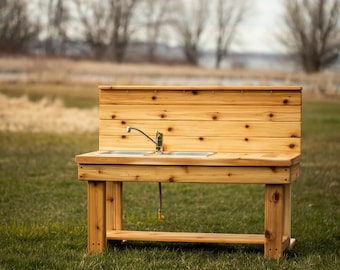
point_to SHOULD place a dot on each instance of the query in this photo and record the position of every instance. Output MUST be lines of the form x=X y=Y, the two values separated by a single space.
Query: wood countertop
x=217 y=159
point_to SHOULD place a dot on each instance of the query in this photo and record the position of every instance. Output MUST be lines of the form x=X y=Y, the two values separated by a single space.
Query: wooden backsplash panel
x=219 y=119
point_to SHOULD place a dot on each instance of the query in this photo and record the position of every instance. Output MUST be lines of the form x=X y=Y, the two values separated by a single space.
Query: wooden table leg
x=96 y=207
x=274 y=221
x=114 y=205
x=287 y=220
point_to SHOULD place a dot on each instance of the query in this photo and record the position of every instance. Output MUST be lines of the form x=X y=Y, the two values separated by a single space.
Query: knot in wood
x=276 y=197
x=268 y=234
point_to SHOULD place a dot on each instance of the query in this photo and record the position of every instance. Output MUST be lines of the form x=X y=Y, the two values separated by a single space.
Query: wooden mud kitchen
x=206 y=134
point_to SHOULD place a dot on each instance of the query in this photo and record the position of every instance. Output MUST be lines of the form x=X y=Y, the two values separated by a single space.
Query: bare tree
x=16 y=28
x=122 y=12
x=190 y=25
x=313 y=32
x=96 y=21
x=229 y=16
x=56 y=27
x=156 y=14
x=107 y=25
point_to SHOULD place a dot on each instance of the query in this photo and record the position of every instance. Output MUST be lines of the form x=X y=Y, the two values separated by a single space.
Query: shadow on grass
x=184 y=247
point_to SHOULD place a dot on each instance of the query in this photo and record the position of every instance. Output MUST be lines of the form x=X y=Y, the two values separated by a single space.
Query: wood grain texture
x=244 y=144
x=209 y=113
x=187 y=128
x=222 y=119
x=186 y=174
x=198 y=97
x=96 y=216
x=199 y=87
x=215 y=160
x=186 y=237
x=114 y=205
x=274 y=221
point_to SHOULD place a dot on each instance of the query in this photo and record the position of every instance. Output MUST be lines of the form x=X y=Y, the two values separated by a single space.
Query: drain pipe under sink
x=159 y=215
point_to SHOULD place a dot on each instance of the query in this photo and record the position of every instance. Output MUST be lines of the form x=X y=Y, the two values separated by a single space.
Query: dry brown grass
x=21 y=114
x=62 y=70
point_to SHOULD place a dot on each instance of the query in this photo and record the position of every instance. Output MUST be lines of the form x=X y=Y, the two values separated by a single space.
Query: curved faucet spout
x=158 y=142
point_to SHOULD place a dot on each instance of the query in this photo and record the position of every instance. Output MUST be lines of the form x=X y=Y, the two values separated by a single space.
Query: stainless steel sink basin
x=189 y=154
x=125 y=153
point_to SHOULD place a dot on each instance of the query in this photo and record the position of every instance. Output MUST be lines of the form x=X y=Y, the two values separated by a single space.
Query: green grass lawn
x=43 y=208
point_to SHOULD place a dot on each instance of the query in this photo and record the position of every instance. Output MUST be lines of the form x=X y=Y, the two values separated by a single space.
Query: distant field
x=32 y=71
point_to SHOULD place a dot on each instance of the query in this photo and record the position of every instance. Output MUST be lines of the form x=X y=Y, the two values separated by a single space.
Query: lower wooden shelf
x=186 y=237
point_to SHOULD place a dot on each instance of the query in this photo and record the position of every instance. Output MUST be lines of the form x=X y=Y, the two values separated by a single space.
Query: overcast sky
x=257 y=32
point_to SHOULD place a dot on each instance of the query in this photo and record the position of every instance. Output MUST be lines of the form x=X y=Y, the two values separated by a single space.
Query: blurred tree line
x=106 y=28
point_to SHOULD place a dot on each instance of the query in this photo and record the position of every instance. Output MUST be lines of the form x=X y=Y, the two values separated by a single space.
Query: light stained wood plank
x=186 y=237
x=96 y=216
x=287 y=211
x=294 y=172
x=217 y=159
x=201 y=87
x=185 y=174
x=215 y=144
x=206 y=128
x=114 y=205
x=274 y=221
x=211 y=97
x=210 y=112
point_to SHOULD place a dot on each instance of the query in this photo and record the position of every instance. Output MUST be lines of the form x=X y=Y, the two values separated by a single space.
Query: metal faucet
x=158 y=142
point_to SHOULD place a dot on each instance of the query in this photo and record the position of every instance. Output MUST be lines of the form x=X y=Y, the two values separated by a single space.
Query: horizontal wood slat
x=206 y=128
x=201 y=112
x=216 y=144
x=164 y=97
x=187 y=237
x=185 y=174
x=215 y=159
x=287 y=88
